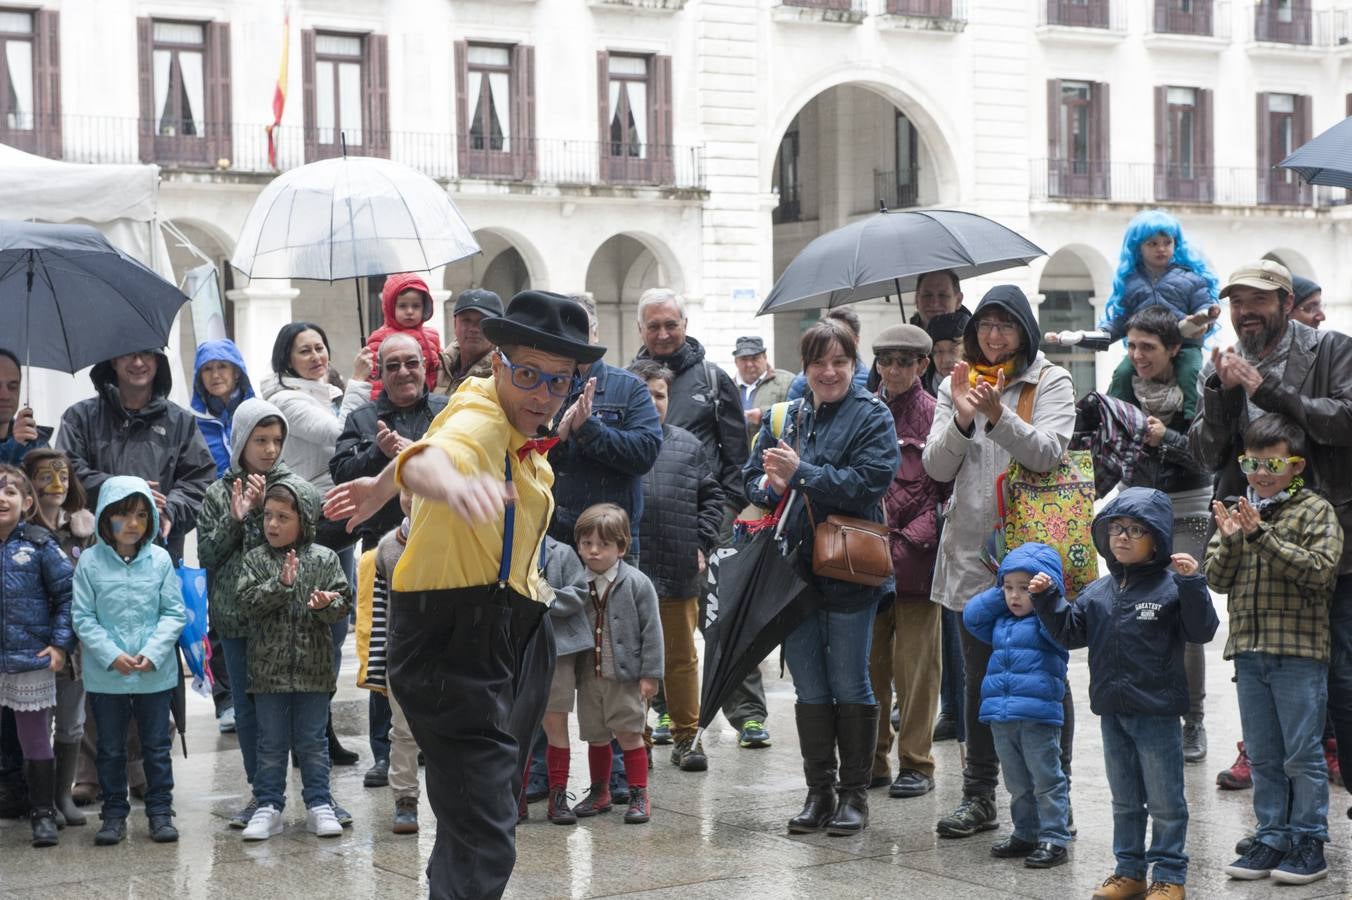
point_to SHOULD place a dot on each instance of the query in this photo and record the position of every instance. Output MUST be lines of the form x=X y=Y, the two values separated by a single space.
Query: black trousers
x=471 y=669
x=982 y=775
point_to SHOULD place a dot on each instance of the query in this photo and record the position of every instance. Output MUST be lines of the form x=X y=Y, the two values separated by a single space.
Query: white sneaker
x=264 y=824
x=322 y=822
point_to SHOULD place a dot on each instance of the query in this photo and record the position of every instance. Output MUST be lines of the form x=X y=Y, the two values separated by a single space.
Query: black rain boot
x=857 y=735
x=338 y=754
x=817 y=742
x=67 y=755
x=41 y=777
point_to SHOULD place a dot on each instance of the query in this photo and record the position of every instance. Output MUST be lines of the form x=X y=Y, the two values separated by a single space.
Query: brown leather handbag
x=850 y=549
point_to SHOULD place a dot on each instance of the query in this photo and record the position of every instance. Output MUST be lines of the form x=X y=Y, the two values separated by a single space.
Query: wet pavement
x=716 y=834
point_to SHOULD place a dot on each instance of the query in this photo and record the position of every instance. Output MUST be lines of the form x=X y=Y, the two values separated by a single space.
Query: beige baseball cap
x=1264 y=275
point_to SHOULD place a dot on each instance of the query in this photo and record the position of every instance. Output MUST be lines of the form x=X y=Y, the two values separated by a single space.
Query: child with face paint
x=60 y=508
x=128 y=613
x=35 y=639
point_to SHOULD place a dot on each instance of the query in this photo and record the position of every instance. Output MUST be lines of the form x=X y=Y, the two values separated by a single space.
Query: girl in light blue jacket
x=128 y=612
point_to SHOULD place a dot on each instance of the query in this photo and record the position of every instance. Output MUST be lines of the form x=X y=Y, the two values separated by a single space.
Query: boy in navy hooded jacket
x=1021 y=701
x=1135 y=622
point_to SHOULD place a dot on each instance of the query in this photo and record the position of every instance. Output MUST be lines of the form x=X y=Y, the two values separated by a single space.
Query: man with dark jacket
x=1284 y=366
x=19 y=431
x=683 y=507
x=705 y=402
x=133 y=428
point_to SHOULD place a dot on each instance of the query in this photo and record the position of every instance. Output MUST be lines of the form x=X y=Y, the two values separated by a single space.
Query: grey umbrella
x=885 y=254
x=1325 y=160
x=71 y=299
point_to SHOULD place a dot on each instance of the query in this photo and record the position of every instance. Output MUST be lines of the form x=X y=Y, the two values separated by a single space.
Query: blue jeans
x=952 y=678
x=1039 y=795
x=112 y=713
x=1281 y=711
x=289 y=722
x=1143 y=756
x=236 y=651
x=379 y=718
x=828 y=657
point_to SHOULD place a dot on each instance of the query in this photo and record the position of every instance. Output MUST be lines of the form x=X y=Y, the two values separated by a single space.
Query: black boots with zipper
x=817 y=742
x=856 y=735
x=41 y=777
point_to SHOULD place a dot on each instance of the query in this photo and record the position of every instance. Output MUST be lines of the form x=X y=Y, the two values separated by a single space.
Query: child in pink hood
x=407 y=304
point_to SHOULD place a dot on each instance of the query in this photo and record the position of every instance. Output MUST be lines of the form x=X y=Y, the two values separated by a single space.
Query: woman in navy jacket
x=838 y=451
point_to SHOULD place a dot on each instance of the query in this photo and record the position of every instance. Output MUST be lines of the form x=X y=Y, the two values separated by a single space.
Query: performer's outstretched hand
x=359 y=499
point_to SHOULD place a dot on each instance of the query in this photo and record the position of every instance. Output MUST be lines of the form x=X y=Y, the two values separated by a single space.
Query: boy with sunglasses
x=1275 y=553
x=1136 y=622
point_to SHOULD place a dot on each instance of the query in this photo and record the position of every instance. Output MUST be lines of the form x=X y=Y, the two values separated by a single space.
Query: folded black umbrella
x=755 y=598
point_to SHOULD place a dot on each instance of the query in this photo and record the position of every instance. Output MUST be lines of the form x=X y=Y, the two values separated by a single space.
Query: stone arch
x=621 y=268
x=208 y=239
x=1074 y=283
x=509 y=263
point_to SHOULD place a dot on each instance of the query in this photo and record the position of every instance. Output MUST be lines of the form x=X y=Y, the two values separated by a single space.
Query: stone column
x=261 y=309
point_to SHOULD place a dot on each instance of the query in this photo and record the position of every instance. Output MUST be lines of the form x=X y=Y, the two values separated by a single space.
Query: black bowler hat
x=543 y=320
x=479 y=300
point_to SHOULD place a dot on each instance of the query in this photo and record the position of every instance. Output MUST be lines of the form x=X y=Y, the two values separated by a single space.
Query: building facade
x=609 y=146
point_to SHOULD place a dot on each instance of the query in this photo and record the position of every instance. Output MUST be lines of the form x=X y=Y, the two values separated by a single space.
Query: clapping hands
x=579 y=412
x=321 y=599
x=391 y=443
x=1242 y=518
x=970 y=399
x=246 y=495
x=290 y=568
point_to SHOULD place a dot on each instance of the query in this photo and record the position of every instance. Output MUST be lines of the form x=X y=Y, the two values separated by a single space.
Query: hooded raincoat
x=223 y=540
x=428 y=338
x=213 y=415
x=1136 y=619
x=133 y=607
x=974 y=462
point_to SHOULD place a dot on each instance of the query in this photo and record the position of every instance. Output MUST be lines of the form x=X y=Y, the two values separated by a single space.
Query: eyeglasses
x=1274 y=464
x=1310 y=307
x=896 y=359
x=1133 y=531
x=528 y=378
x=394 y=365
x=1005 y=328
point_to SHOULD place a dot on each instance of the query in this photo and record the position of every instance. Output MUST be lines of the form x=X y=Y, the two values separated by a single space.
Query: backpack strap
x=1028 y=396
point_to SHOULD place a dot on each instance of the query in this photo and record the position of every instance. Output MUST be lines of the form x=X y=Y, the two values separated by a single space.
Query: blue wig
x=1141 y=229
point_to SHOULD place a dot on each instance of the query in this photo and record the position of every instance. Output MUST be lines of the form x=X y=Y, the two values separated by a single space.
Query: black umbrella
x=71 y=299
x=756 y=598
x=885 y=254
x=1325 y=160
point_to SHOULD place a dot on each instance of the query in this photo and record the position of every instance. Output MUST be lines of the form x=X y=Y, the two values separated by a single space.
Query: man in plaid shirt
x=1275 y=553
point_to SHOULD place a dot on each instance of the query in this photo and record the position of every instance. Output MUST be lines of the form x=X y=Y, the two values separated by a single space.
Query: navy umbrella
x=886 y=254
x=1325 y=160
x=71 y=299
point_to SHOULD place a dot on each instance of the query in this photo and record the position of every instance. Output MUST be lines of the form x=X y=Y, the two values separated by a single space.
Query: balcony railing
x=1149 y=183
x=1202 y=19
x=832 y=5
x=893 y=193
x=1109 y=15
x=930 y=9
x=106 y=139
x=1290 y=22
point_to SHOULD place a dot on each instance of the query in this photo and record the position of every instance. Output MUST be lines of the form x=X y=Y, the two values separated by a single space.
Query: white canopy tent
x=120 y=201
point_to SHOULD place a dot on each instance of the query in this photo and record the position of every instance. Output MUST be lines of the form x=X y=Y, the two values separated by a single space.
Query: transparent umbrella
x=351 y=217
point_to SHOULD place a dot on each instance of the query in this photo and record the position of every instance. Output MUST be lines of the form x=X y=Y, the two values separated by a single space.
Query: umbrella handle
x=784 y=514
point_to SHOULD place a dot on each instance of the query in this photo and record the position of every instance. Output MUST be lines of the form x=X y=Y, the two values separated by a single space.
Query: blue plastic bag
x=193 y=639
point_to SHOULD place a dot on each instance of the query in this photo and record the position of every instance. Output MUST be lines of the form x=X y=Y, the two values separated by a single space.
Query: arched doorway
x=500 y=268
x=1067 y=288
x=186 y=253
x=621 y=269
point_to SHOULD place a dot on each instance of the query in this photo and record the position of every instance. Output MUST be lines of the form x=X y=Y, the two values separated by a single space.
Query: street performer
x=471 y=652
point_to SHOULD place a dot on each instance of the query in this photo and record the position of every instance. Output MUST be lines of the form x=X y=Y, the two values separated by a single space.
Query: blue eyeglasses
x=528 y=378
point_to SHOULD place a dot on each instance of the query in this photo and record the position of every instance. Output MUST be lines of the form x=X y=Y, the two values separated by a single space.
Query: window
x=635 y=105
x=1078 y=13
x=1284 y=123
x=1283 y=21
x=1183 y=168
x=495 y=110
x=185 y=91
x=905 y=190
x=1183 y=16
x=1077 y=139
x=30 y=89
x=936 y=9
x=790 y=207
x=345 y=94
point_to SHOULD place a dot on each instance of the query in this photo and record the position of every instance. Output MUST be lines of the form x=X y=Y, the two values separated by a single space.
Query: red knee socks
x=636 y=767
x=556 y=761
x=598 y=762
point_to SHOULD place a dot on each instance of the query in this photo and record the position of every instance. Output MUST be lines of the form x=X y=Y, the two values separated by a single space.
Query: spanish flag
x=279 y=93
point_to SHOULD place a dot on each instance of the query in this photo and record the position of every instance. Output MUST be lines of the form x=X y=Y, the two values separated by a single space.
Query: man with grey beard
x=1284 y=366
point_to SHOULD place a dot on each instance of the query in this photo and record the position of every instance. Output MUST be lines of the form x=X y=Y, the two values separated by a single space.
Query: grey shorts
x=564 y=686
x=606 y=706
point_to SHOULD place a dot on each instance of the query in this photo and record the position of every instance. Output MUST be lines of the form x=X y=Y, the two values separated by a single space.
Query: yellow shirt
x=444 y=551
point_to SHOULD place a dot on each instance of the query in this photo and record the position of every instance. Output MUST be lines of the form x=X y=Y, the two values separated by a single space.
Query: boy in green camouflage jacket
x=292 y=589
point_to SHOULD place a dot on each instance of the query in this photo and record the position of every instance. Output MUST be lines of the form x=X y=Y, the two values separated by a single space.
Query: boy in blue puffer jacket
x=1136 y=621
x=1021 y=701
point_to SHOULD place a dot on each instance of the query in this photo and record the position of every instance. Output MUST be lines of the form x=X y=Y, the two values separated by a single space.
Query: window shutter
x=1099 y=165
x=664 y=154
x=47 y=82
x=144 y=37
x=1203 y=137
x=307 y=92
x=219 y=119
x=1161 y=142
x=461 y=107
x=1054 y=153
x=377 y=124
x=1161 y=17
x=603 y=101
x=1304 y=121
x=523 y=67
x=1264 y=139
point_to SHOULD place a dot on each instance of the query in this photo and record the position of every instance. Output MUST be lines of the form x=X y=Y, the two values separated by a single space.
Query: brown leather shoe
x=597 y=801
x=638 y=811
x=1165 y=890
x=1120 y=887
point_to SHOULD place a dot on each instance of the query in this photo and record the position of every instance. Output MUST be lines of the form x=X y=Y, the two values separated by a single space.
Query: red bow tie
x=539 y=445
